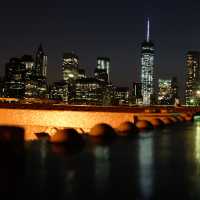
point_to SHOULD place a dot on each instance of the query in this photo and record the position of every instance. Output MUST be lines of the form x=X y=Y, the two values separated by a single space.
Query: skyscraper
x=147 y=68
x=30 y=81
x=136 y=93
x=102 y=70
x=192 y=92
x=70 y=64
x=101 y=74
x=168 y=91
x=175 y=89
x=40 y=63
x=88 y=91
x=41 y=72
x=15 y=72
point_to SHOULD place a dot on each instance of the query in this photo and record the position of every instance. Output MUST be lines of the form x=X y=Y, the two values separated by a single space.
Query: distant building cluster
x=26 y=78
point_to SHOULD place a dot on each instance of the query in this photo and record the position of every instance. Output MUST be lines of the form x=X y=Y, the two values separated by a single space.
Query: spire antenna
x=148 y=30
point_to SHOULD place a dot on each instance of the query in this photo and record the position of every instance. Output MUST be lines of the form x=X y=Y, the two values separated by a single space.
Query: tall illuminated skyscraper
x=192 y=92
x=30 y=79
x=41 y=72
x=147 y=68
x=70 y=67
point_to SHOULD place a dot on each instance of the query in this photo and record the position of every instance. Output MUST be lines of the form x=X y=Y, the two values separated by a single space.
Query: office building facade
x=147 y=68
x=192 y=91
x=70 y=67
x=136 y=94
x=102 y=70
x=14 y=80
x=88 y=91
x=168 y=91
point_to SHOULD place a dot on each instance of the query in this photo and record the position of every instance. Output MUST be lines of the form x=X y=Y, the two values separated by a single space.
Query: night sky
x=101 y=28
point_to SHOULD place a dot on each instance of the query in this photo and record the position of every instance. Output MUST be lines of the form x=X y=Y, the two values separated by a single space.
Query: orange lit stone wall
x=34 y=121
x=45 y=121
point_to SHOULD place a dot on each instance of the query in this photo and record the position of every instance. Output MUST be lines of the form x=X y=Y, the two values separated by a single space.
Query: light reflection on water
x=146 y=161
x=197 y=142
x=102 y=167
x=161 y=164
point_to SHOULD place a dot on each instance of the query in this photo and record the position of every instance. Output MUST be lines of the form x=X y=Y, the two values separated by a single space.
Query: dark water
x=162 y=164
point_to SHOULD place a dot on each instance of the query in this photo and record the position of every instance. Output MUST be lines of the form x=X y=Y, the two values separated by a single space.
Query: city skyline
x=107 y=29
x=100 y=99
x=90 y=73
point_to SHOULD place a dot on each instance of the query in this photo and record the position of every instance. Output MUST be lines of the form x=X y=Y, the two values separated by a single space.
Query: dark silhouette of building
x=40 y=71
x=40 y=63
x=175 y=89
x=136 y=93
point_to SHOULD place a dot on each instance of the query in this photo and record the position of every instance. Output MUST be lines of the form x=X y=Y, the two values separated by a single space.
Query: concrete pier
x=48 y=119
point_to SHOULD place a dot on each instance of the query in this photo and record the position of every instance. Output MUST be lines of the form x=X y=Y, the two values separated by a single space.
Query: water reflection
x=68 y=171
x=122 y=169
x=102 y=168
x=36 y=159
x=146 y=165
x=158 y=165
x=12 y=159
x=197 y=143
x=11 y=172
